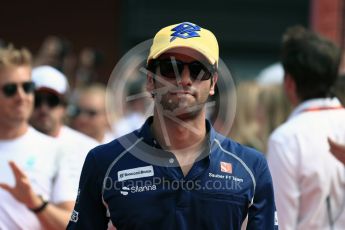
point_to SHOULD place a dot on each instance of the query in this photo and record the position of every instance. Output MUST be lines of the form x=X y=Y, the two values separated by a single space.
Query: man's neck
x=185 y=139
x=99 y=137
x=179 y=134
x=11 y=132
x=55 y=132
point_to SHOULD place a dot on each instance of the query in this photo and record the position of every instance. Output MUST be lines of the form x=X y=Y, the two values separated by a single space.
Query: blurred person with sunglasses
x=50 y=101
x=161 y=175
x=31 y=195
x=49 y=114
x=88 y=114
x=50 y=105
x=50 y=108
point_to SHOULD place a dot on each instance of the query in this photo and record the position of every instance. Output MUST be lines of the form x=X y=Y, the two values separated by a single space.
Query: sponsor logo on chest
x=135 y=173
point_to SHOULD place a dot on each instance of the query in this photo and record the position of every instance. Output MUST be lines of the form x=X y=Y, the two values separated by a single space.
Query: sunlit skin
x=48 y=120
x=173 y=98
x=177 y=96
x=16 y=110
x=93 y=126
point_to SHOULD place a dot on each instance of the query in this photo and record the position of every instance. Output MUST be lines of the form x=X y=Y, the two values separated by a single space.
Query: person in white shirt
x=308 y=180
x=49 y=114
x=338 y=149
x=34 y=192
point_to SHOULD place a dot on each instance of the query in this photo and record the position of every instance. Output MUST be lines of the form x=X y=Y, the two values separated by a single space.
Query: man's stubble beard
x=180 y=107
x=46 y=127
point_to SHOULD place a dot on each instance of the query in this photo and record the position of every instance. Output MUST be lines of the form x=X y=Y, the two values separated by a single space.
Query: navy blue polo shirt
x=138 y=185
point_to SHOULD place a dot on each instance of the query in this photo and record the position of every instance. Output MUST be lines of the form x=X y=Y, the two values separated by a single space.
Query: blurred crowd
x=84 y=93
x=261 y=102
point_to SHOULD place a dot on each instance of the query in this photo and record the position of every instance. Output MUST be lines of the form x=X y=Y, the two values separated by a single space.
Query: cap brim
x=197 y=49
x=47 y=90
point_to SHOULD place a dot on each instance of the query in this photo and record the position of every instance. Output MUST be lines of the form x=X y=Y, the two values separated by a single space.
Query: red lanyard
x=315 y=109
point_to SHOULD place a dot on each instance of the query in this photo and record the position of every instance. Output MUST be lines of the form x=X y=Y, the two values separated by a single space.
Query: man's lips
x=179 y=92
x=43 y=116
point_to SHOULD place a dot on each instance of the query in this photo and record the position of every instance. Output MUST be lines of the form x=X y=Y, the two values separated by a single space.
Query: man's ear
x=213 y=85
x=289 y=83
x=290 y=89
x=149 y=82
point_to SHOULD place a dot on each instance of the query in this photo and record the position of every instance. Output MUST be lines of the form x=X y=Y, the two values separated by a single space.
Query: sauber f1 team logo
x=225 y=167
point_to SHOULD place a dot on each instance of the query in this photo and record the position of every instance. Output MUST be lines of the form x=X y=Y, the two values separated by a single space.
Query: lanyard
x=315 y=109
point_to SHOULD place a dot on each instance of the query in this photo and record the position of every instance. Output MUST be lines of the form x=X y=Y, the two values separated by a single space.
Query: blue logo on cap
x=185 y=30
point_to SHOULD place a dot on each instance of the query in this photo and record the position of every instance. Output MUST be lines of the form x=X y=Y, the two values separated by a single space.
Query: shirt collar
x=145 y=133
x=315 y=103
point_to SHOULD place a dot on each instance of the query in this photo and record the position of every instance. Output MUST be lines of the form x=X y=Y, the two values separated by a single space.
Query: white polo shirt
x=309 y=182
x=40 y=157
x=76 y=145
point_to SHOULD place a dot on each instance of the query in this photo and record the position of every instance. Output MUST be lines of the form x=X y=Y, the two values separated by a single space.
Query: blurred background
x=85 y=39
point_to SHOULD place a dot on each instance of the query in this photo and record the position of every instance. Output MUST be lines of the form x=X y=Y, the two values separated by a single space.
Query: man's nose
x=20 y=93
x=185 y=78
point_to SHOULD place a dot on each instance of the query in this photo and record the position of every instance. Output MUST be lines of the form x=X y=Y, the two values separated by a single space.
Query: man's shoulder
x=40 y=139
x=308 y=123
x=35 y=144
x=246 y=162
x=228 y=147
x=70 y=135
x=113 y=149
x=284 y=130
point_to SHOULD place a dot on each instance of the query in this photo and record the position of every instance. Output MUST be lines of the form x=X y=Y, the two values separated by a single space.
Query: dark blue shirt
x=138 y=185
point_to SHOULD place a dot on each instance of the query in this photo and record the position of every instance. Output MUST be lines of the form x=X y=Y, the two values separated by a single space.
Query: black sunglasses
x=198 y=70
x=10 y=89
x=77 y=111
x=49 y=99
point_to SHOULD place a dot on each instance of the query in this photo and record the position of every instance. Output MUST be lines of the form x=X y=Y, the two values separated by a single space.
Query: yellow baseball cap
x=186 y=35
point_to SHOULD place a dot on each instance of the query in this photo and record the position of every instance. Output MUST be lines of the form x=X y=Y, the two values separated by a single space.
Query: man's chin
x=20 y=115
x=19 y=119
x=42 y=126
x=185 y=113
x=43 y=129
x=186 y=116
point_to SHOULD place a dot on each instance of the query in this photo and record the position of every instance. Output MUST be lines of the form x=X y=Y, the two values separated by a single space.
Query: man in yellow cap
x=176 y=171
